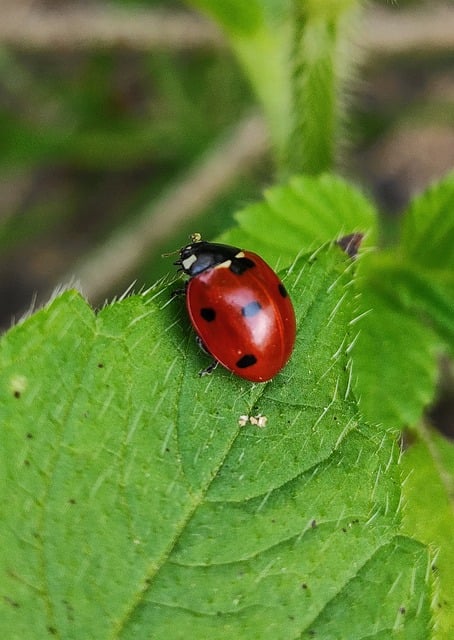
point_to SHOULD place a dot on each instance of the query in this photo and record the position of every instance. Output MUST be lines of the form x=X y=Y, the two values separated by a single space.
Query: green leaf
x=408 y=298
x=395 y=364
x=427 y=257
x=301 y=215
x=428 y=465
x=428 y=229
x=135 y=506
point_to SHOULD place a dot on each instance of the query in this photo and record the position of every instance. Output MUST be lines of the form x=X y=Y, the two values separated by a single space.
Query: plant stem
x=321 y=62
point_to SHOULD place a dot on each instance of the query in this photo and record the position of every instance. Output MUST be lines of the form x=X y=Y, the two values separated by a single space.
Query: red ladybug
x=239 y=309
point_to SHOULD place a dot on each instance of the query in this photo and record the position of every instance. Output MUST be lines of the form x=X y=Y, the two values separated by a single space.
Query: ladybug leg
x=212 y=366
x=208 y=370
x=177 y=292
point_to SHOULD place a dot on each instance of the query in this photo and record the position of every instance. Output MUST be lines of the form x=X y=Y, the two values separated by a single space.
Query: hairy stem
x=321 y=62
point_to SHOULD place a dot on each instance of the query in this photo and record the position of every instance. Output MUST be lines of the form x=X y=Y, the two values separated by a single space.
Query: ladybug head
x=200 y=256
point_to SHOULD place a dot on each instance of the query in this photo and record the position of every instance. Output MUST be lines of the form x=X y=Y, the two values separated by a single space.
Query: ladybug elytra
x=239 y=308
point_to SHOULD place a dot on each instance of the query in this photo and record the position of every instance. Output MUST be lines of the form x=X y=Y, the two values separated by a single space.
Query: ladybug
x=239 y=308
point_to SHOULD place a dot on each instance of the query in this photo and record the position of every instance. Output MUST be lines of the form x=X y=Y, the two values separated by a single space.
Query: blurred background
x=127 y=125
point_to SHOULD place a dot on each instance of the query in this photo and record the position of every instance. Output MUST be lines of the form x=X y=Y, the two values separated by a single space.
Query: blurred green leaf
x=408 y=296
x=135 y=504
x=428 y=229
x=395 y=364
x=427 y=254
x=428 y=468
x=301 y=215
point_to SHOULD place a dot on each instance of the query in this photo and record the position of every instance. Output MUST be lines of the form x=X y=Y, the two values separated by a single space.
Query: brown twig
x=24 y=25
x=396 y=32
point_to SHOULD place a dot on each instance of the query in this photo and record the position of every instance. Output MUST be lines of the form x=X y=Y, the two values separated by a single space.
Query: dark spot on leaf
x=314 y=524
x=351 y=243
x=246 y=361
x=72 y=501
x=27 y=463
x=100 y=365
x=240 y=265
x=407 y=439
x=11 y=602
x=304 y=586
x=208 y=314
x=69 y=609
x=16 y=394
x=30 y=436
x=402 y=610
x=251 y=309
x=52 y=630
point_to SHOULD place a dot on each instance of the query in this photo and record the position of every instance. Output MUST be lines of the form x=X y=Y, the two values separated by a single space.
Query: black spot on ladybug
x=246 y=361
x=251 y=309
x=208 y=314
x=239 y=265
x=282 y=290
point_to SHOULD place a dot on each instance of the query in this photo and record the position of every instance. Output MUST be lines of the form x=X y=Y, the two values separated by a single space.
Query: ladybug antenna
x=170 y=253
x=194 y=237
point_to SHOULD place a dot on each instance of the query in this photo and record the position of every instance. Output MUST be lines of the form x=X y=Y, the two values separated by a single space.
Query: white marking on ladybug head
x=188 y=262
x=240 y=254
